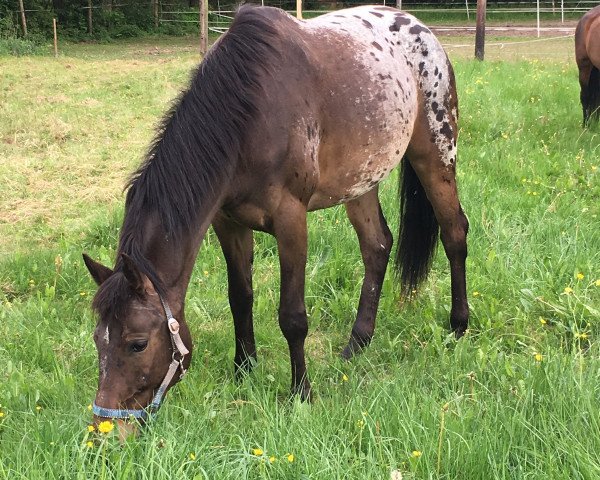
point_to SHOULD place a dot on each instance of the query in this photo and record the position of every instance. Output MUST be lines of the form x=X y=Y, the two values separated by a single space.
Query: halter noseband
x=178 y=347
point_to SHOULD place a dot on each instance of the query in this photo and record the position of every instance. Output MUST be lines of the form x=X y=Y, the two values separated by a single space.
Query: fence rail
x=460 y=12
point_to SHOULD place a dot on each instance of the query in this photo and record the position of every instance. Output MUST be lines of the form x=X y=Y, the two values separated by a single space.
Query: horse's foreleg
x=236 y=242
x=375 y=241
x=289 y=228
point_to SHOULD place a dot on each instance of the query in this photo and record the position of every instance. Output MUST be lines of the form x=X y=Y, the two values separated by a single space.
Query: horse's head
x=140 y=350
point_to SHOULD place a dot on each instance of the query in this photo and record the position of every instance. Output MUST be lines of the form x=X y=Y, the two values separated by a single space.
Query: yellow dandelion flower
x=538 y=357
x=38 y=408
x=476 y=294
x=206 y=273
x=91 y=428
x=360 y=424
x=89 y=444
x=272 y=459
x=597 y=282
x=257 y=451
x=192 y=456
x=290 y=457
x=543 y=321
x=344 y=378
x=583 y=336
x=580 y=276
x=2 y=414
x=89 y=407
x=416 y=453
x=106 y=427
x=568 y=290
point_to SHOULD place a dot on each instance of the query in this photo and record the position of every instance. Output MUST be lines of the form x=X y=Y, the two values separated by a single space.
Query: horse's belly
x=362 y=151
x=355 y=169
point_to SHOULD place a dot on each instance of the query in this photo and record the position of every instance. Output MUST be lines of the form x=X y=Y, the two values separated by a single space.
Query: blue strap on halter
x=119 y=413
x=140 y=414
x=148 y=412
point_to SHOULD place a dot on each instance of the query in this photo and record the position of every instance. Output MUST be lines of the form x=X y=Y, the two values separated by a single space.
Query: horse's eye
x=138 y=346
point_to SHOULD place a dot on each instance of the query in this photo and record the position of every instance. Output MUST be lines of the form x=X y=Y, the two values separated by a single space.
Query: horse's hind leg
x=375 y=241
x=585 y=69
x=436 y=172
x=237 y=245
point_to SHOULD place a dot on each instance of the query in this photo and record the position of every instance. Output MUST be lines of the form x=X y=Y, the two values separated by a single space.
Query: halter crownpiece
x=179 y=350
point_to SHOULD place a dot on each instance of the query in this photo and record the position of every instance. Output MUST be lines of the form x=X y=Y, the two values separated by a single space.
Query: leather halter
x=179 y=353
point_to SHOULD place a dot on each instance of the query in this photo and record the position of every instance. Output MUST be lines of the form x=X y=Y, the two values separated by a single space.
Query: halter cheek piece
x=179 y=353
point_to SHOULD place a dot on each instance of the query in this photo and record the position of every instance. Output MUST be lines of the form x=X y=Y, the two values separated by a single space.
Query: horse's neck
x=172 y=257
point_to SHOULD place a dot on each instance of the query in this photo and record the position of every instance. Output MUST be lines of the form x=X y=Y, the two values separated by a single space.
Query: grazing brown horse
x=281 y=118
x=587 y=56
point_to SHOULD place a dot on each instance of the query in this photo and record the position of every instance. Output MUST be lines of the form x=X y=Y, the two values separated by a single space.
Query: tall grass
x=517 y=397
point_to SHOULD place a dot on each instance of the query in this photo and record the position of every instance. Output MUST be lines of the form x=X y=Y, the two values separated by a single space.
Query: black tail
x=418 y=231
x=591 y=104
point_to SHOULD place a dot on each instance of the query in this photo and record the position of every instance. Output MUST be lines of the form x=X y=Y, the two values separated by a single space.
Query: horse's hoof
x=242 y=368
x=354 y=347
x=303 y=392
x=347 y=353
x=459 y=332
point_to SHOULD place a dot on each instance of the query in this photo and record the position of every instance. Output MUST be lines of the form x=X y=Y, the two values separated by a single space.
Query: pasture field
x=518 y=397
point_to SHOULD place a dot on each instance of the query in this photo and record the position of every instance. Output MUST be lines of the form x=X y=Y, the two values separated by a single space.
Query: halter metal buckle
x=173 y=326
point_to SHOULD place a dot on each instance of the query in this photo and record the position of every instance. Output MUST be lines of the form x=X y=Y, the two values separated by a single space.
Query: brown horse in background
x=281 y=118
x=587 y=55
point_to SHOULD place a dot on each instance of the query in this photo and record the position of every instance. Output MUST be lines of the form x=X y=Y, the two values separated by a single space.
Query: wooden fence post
x=203 y=6
x=23 y=19
x=90 y=21
x=480 y=30
x=55 y=38
x=299 y=9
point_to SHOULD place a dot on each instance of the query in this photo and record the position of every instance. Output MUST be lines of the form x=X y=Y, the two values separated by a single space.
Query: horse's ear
x=98 y=271
x=139 y=281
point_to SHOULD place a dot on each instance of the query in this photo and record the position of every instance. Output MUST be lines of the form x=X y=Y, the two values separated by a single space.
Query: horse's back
x=343 y=100
x=379 y=69
x=587 y=38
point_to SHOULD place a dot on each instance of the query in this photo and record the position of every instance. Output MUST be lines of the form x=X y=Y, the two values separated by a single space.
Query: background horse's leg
x=375 y=241
x=289 y=228
x=236 y=242
x=585 y=69
x=439 y=182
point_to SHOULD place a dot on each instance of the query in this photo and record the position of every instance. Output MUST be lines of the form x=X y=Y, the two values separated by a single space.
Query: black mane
x=197 y=144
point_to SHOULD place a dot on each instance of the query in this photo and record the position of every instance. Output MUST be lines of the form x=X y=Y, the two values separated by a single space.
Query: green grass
x=480 y=408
